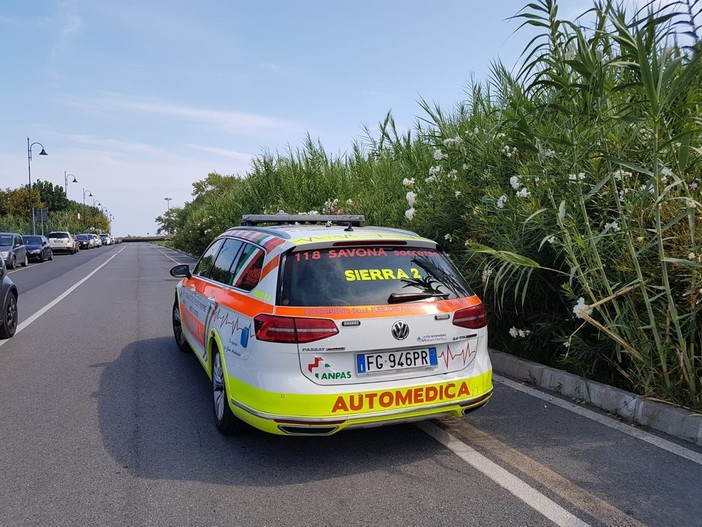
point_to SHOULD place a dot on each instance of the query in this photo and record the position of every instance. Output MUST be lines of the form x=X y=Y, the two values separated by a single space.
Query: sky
x=139 y=99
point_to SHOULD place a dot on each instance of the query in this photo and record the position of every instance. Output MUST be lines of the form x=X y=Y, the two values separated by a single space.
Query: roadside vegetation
x=567 y=191
x=63 y=214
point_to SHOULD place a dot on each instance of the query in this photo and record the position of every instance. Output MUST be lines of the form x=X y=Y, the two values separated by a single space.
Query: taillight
x=293 y=330
x=474 y=317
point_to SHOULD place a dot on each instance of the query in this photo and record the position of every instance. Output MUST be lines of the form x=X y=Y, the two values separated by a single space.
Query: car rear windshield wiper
x=398 y=298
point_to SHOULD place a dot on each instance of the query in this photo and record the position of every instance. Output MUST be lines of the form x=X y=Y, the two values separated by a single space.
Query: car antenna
x=349 y=228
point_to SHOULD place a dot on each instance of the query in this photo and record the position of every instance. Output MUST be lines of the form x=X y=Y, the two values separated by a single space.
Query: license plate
x=396 y=360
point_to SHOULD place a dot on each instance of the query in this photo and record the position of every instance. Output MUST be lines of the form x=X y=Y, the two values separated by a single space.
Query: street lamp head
x=74 y=179
x=43 y=152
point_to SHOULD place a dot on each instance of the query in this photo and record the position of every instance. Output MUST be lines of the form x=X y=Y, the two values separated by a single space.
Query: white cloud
x=229 y=121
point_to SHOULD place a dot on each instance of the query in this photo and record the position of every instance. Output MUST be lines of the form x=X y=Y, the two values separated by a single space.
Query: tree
x=52 y=196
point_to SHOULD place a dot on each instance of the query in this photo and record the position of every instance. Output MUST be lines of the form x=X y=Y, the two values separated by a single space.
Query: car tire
x=11 y=262
x=8 y=320
x=25 y=263
x=178 y=330
x=41 y=257
x=51 y=255
x=227 y=423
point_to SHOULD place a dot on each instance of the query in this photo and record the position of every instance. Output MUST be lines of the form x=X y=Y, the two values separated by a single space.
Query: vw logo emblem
x=400 y=330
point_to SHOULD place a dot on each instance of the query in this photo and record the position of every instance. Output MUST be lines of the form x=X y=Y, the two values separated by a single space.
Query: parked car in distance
x=98 y=241
x=13 y=250
x=309 y=325
x=62 y=241
x=85 y=241
x=8 y=303
x=38 y=247
x=106 y=239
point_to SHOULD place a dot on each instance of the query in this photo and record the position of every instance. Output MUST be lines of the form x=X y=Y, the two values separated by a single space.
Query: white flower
x=578 y=177
x=458 y=193
x=430 y=179
x=514 y=181
x=501 y=201
x=451 y=141
x=433 y=171
x=486 y=275
x=453 y=175
x=411 y=198
x=349 y=202
x=551 y=239
x=621 y=174
x=409 y=214
x=439 y=155
x=549 y=153
x=408 y=182
x=581 y=308
x=614 y=225
x=524 y=193
x=518 y=333
x=509 y=151
x=448 y=237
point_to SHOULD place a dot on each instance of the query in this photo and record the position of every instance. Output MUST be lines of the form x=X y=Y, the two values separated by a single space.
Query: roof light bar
x=283 y=218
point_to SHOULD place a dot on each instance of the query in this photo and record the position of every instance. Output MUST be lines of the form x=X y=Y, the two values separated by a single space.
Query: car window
x=205 y=263
x=5 y=239
x=369 y=276
x=32 y=239
x=58 y=235
x=222 y=267
x=248 y=268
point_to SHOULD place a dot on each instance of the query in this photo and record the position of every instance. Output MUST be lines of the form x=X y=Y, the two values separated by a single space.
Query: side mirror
x=181 y=271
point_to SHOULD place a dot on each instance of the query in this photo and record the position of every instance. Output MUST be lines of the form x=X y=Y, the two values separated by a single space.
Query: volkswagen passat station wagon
x=309 y=325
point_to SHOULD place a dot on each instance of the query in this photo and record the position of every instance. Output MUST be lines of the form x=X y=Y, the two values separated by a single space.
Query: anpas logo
x=323 y=371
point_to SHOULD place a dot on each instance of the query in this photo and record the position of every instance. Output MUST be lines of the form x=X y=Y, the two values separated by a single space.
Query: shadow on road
x=155 y=417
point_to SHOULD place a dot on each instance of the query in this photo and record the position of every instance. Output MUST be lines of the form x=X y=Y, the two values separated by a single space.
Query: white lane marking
x=529 y=495
x=58 y=299
x=664 y=444
x=172 y=259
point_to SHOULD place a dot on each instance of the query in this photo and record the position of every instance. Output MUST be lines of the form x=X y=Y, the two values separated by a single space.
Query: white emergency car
x=308 y=325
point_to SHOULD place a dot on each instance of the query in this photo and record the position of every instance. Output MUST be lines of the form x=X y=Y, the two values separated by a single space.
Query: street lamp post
x=65 y=182
x=90 y=194
x=168 y=209
x=29 y=172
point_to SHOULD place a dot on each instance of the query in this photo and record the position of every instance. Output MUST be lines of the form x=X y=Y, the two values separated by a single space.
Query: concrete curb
x=661 y=416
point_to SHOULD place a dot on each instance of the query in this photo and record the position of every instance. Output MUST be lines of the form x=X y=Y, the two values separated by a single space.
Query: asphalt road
x=103 y=422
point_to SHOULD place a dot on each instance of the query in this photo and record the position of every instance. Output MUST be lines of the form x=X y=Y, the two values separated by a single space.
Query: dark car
x=12 y=249
x=8 y=303
x=85 y=241
x=38 y=247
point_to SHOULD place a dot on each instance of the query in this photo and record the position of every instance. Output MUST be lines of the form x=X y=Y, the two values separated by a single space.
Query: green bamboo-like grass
x=568 y=192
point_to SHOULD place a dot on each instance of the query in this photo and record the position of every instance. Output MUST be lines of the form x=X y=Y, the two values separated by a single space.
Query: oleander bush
x=568 y=193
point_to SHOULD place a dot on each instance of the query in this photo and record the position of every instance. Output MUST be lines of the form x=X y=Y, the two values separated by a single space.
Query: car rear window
x=58 y=235
x=369 y=276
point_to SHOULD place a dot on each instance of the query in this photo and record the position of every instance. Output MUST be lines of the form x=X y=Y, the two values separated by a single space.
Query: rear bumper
x=326 y=414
